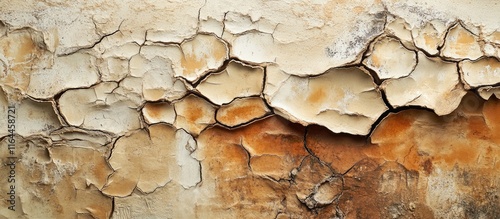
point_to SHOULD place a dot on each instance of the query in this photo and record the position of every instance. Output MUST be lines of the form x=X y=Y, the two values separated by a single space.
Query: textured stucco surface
x=250 y=109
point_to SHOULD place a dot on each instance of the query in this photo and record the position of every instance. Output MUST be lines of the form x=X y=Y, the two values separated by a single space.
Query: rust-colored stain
x=239 y=113
x=393 y=126
x=275 y=135
x=459 y=154
x=22 y=54
x=194 y=113
x=155 y=110
x=119 y=187
x=427 y=165
x=101 y=170
x=487 y=66
x=491 y=113
x=496 y=36
x=477 y=128
x=491 y=62
x=20 y=47
x=341 y=151
x=409 y=146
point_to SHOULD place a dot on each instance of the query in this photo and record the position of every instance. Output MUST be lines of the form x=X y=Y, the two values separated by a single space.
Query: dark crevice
x=267 y=115
x=113 y=207
x=374 y=75
x=218 y=70
x=247 y=153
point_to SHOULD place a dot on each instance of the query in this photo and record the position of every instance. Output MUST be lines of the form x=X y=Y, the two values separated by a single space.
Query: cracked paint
x=444 y=88
x=482 y=72
x=261 y=109
x=390 y=59
x=161 y=146
x=334 y=99
x=237 y=80
x=241 y=111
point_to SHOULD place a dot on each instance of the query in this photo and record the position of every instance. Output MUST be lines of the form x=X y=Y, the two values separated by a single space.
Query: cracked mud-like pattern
x=261 y=109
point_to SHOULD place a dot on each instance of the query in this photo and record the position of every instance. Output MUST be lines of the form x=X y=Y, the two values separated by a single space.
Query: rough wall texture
x=250 y=109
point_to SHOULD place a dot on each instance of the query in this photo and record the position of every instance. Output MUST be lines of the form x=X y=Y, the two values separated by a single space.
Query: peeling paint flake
x=336 y=100
x=444 y=90
x=237 y=80
x=390 y=59
x=100 y=109
x=482 y=72
x=150 y=159
x=200 y=55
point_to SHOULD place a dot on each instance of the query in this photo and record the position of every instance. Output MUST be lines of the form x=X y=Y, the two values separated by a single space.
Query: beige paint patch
x=150 y=159
x=237 y=80
x=483 y=72
x=334 y=99
x=201 y=54
x=390 y=59
x=441 y=78
x=461 y=44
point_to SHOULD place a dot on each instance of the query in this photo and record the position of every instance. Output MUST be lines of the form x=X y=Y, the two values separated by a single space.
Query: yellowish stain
x=375 y=60
x=318 y=95
x=463 y=43
x=358 y=9
x=465 y=38
x=430 y=41
x=154 y=94
x=191 y=63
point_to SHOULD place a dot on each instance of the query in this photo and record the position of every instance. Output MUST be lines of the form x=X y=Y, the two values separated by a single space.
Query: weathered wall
x=250 y=109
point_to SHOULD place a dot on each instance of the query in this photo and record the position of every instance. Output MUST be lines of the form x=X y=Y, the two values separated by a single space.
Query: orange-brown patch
x=276 y=136
x=393 y=126
x=154 y=110
x=318 y=95
x=194 y=113
x=491 y=113
x=461 y=154
x=427 y=165
x=26 y=49
x=100 y=170
x=496 y=36
x=341 y=151
x=240 y=112
x=477 y=128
